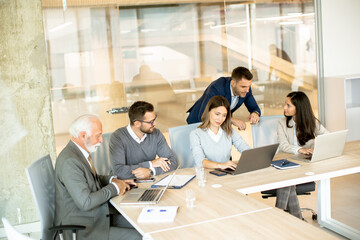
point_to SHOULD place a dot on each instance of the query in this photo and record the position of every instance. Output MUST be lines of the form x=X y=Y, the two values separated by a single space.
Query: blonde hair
x=214 y=102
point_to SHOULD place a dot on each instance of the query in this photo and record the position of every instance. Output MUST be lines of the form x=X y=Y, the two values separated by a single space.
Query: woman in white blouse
x=212 y=141
x=297 y=130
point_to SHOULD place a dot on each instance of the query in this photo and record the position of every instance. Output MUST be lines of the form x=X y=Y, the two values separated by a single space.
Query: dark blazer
x=221 y=87
x=80 y=197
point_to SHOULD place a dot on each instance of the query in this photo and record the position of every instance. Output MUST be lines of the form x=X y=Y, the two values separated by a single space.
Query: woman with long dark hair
x=296 y=133
x=297 y=130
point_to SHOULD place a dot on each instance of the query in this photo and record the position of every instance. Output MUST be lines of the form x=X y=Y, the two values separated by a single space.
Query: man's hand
x=254 y=118
x=306 y=151
x=122 y=185
x=241 y=125
x=141 y=172
x=162 y=162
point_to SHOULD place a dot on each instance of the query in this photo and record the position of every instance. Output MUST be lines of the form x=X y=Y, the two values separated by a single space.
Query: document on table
x=157 y=214
x=177 y=182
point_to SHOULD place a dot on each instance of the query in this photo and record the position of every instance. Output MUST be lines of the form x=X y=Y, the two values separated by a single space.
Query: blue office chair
x=41 y=177
x=265 y=133
x=101 y=157
x=180 y=143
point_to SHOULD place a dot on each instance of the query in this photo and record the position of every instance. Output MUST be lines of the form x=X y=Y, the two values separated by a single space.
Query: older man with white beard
x=81 y=194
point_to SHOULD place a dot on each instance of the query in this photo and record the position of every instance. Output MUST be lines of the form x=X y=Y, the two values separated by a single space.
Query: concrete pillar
x=26 y=126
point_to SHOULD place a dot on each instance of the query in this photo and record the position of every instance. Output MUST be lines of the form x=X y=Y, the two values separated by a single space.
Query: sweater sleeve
x=196 y=148
x=163 y=150
x=238 y=142
x=284 y=144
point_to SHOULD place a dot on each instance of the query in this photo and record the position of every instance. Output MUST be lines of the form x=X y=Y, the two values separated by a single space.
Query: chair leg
x=314 y=215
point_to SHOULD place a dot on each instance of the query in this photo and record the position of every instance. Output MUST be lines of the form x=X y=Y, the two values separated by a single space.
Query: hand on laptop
x=162 y=162
x=306 y=151
x=141 y=172
x=229 y=164
x=122 y=185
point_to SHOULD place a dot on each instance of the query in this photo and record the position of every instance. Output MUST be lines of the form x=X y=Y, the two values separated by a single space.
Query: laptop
x=254 y=159
x=145 y=195
x=326 y=146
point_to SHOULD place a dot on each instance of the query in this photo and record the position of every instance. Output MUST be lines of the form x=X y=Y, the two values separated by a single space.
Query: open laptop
x=326 y=146
x=254 y=159
x=145 y=195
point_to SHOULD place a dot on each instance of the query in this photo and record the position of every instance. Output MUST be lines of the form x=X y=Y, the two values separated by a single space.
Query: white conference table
x=226 y=212
x=322 y=171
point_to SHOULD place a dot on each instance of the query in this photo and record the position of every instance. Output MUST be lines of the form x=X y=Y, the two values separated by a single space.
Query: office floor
x=345 y=202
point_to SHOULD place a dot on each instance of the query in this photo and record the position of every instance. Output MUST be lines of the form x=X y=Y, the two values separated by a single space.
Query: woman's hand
x=306 y=151
x=229 y=164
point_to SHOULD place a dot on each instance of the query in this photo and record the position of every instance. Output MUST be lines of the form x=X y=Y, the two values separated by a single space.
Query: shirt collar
x=133 y=135
x=232 y=94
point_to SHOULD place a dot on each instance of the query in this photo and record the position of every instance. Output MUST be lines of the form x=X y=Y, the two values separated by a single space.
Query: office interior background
x=58 y=62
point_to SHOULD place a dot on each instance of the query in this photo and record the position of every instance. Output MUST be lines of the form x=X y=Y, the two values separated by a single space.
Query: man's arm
x=164 y=151
x=251 y=103
x=121 y=166
x=84 y=193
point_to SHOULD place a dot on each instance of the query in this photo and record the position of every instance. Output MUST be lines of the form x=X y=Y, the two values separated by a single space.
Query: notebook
x=325 y=146
x=284 y=164
x=145 y=195
x=178 y=182
x=254 y=159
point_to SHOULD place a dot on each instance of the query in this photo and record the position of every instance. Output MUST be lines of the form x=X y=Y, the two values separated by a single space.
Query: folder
x=177 y=182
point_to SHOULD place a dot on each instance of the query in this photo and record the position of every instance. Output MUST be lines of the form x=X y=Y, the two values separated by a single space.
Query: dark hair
x=240 y=73
x=138 y=110
x=214 y=102
x=304 y=116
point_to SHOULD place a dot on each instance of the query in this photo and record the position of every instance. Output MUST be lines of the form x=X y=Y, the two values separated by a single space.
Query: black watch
x=151 y=172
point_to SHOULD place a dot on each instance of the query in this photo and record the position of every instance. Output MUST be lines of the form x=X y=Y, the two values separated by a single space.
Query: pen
x=284 y=162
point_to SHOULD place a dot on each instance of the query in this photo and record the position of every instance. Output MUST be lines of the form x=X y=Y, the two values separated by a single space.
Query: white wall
x=341 y=52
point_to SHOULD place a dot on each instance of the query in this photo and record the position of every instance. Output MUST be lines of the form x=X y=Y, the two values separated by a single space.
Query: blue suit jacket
x=221 y=87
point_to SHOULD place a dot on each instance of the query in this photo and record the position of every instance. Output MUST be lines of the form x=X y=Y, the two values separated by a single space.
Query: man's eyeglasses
x=150 y=122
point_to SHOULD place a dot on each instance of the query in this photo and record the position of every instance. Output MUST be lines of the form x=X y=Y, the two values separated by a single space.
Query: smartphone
x=144 y=180
x=217 y=173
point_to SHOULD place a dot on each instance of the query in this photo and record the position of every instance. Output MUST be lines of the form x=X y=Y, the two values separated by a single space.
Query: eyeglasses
x=150 y=122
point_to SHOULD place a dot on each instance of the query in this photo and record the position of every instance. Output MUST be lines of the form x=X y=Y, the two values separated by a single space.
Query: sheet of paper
x=157 y=214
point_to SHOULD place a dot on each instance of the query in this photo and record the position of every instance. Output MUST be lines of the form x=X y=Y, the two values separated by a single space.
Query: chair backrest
x=180 y=143
x=101 y=157
x=265 y=132
x=11 y=233
x=41 y=177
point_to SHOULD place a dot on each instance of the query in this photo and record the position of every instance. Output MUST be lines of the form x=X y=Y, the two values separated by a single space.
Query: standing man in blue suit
x=237 y=90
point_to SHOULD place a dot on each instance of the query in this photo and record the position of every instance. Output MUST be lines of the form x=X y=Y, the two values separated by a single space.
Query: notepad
x=177 y=182
x=284 y=164
x=160 y=214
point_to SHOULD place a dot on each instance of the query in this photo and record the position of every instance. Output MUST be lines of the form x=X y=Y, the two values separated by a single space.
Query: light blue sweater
x=204 y=147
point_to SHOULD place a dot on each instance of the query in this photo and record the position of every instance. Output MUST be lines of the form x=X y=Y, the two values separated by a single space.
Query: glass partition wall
x=109 y=57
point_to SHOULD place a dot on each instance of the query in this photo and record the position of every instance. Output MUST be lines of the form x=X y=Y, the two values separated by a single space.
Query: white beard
x=91 y=148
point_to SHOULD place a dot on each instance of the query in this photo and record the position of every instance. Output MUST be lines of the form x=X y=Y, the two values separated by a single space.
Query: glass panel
x=109 y=57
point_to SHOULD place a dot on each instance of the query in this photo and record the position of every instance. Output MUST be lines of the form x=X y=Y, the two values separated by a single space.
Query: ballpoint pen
x=284 y=162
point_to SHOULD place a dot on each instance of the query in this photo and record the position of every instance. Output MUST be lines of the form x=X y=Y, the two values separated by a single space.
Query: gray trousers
x=120 y=228
x=287 y=199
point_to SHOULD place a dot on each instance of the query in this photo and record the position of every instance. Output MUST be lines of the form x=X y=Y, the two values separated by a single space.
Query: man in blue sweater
x=140 y=150
x=237 y=90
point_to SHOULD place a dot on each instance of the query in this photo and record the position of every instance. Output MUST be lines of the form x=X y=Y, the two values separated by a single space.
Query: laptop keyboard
x=149 y=195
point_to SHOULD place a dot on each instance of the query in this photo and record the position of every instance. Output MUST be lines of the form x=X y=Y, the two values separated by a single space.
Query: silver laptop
x=254 y=159
x=145 y=195
x=326 y=146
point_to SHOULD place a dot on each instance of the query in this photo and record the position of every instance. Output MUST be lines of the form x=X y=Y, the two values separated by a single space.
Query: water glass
x=190 y=198
x=201 y=176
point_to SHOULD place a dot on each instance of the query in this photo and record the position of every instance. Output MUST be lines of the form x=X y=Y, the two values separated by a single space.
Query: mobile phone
x=144 y=180
x=217 y=173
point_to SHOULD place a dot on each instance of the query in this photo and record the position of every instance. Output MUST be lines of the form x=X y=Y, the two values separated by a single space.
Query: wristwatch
x=151 y=172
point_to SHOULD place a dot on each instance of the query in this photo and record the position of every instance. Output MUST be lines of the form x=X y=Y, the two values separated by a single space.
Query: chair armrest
x=67 y=227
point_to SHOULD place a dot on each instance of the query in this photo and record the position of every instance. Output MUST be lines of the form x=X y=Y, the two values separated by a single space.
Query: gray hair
x=82 y=123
